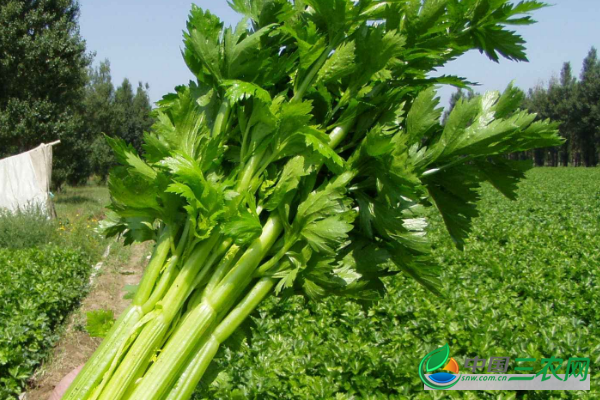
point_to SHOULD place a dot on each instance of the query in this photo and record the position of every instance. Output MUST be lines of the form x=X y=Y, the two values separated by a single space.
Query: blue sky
x=142 y=40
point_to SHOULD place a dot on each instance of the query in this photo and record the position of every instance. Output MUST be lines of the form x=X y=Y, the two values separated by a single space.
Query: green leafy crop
x=301 y=161
x=38 y=288
x=526 y=285
x=99 y=322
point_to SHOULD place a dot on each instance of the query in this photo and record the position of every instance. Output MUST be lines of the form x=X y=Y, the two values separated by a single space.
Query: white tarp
x=25 y=179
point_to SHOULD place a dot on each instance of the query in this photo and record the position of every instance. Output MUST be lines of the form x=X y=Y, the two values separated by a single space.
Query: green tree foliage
x=122 y=124
x=42 y=75
x=141 y=116
x=131 y=113
x=115 y=113
x=587 y=109
x=575 y=104
x=99 y=114
x=564 y=96
x=99 y=99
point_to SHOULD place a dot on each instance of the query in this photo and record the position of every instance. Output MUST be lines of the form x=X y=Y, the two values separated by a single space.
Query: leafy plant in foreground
x=38 y=288
x=301 y=161
x=525 y=286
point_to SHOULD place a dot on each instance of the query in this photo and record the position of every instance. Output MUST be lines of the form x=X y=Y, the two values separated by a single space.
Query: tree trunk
x=538 y=157
x=564 y=155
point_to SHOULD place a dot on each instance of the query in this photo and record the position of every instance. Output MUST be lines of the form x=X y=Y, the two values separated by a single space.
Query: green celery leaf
x=240 y=90
x=504 y=174
x=424 y=115
x=127 y=155
x=326 y=234
x=454 y=192
x=339 y=64
x=243 y=227
x=99 y=322
x=288 y=181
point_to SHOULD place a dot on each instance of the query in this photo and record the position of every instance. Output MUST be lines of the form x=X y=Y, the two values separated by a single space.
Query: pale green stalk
x=150 y=337
x=98 y=364
x=221 y=270
x=189 y=379
x=165 y=371
x=221 y=119
x=154 y=267
x=168 y=275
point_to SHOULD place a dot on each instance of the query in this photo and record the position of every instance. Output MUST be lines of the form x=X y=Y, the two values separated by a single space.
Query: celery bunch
x=300 y=162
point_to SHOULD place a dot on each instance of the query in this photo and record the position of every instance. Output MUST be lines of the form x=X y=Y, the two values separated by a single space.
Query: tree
x=537 y=102
x=565 y=100
x=99 y=115
x=43 y=64
x=587 y=109
x=115 y=113
x=576 y=105
x=142 y=119
x=100 y=96
x=132 y=113
x=124 y=115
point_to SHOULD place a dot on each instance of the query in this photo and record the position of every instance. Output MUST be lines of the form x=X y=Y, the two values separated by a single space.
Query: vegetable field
x=38 y=288
x=44 y=272
x=307 y=171
x=525 y=285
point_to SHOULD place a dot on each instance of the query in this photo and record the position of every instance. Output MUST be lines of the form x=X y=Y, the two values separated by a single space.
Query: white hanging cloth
x=25 y=179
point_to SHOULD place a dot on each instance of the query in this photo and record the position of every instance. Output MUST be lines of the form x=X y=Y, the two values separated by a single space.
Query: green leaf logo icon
x=438 y=358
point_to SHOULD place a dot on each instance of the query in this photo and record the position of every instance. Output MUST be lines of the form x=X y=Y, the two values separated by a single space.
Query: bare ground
x=76 y=346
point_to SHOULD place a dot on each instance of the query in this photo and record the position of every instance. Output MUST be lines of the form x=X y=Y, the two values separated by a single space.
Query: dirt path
x=76 y=346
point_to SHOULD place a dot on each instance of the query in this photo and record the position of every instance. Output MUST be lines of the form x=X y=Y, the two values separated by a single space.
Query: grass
x=26 y=229
x=81 y=202
x=526 y=285
x=78 y=211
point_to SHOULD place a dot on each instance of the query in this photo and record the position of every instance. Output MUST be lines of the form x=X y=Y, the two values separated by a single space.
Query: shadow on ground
x=75 y=200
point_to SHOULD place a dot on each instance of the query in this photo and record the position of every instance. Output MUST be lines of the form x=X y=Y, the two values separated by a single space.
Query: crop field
x=312 y=199
x=44 y=271
x=38 y=287
x=526 y=285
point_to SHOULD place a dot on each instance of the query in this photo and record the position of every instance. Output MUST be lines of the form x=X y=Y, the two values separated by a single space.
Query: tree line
x=571 y=101
x=114 y=112
x=50 y=90
x=575 y=103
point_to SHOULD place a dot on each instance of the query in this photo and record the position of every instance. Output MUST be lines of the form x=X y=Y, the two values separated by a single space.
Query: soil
x=76 y=346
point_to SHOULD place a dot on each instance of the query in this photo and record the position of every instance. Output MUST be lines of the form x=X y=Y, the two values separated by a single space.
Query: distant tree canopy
x=114 y=112
x=42 y=75
x=50 y=91
x=576 y=104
